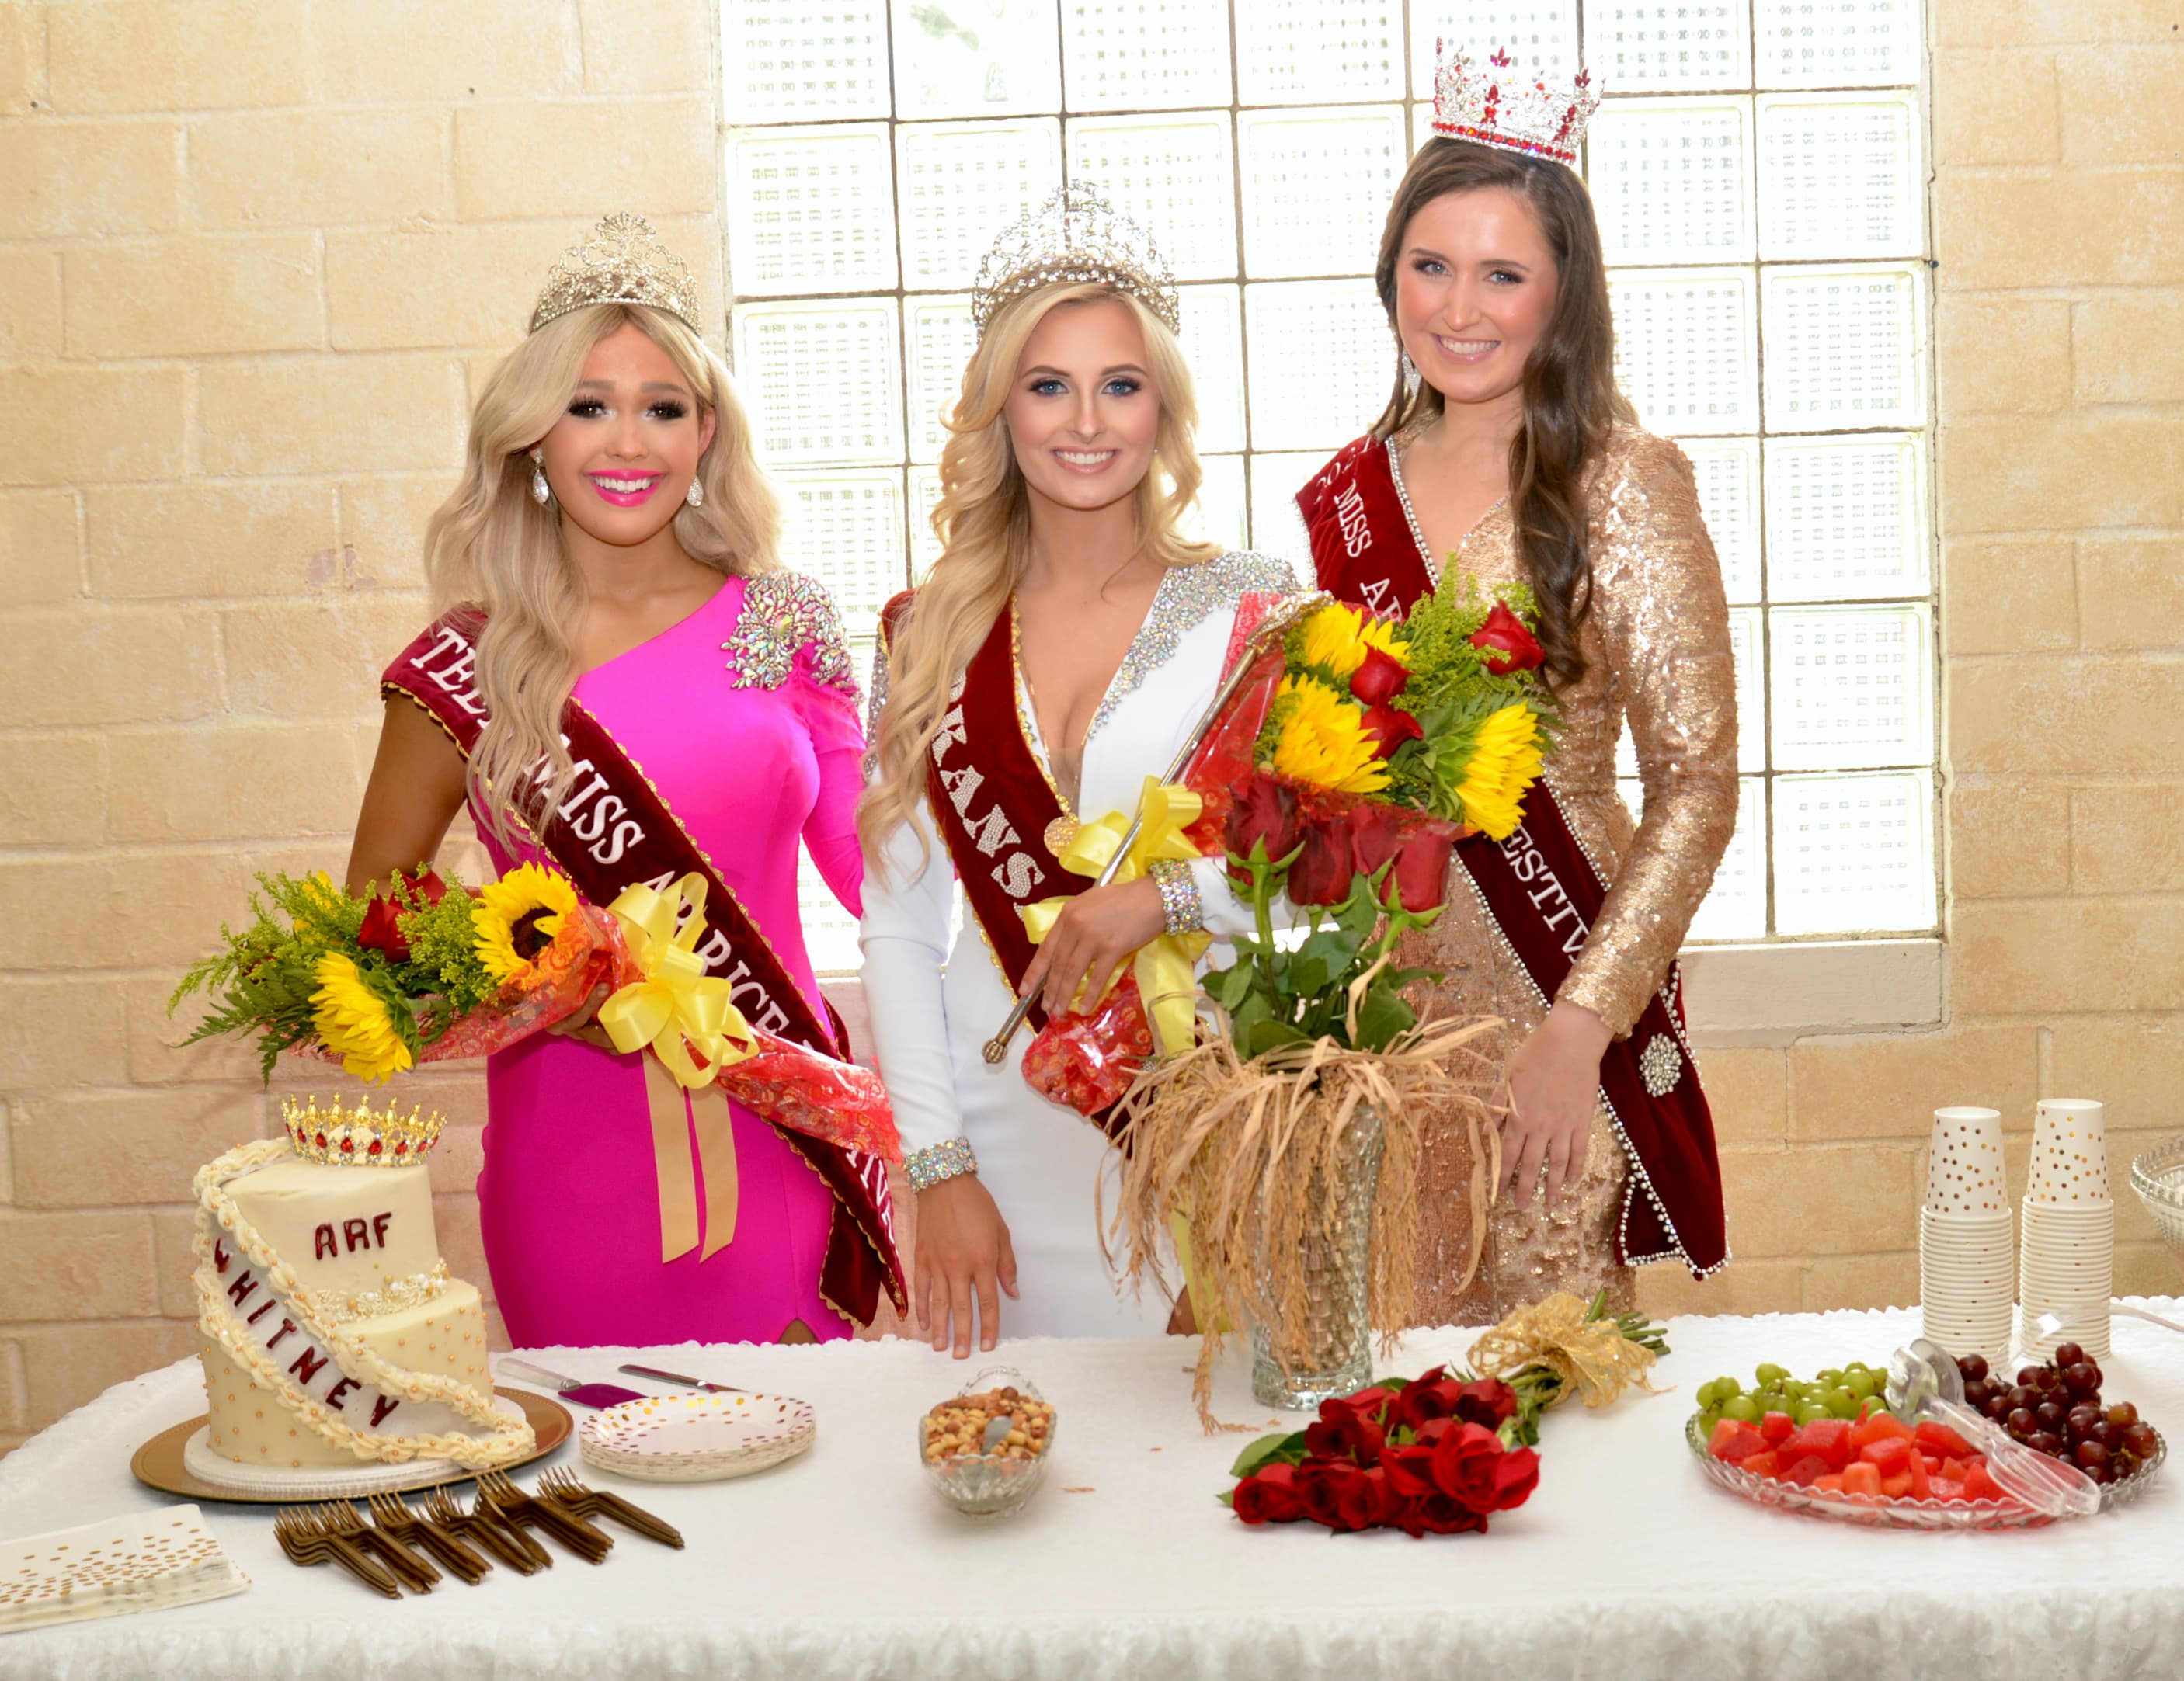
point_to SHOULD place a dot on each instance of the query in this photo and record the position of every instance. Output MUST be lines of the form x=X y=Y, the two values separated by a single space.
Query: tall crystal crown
x=358 y=1137
x=1497 y=105
x=623 y=261
x=1075 y=236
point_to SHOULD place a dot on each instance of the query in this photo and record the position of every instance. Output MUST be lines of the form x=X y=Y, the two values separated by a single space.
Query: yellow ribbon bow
x=677 y=1008
x=695 y=1032
x=1166 y=967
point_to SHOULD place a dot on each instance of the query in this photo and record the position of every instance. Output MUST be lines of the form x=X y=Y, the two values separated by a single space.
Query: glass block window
x=1758 y=168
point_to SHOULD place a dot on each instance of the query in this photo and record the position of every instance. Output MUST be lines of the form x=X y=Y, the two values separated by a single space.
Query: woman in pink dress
x=607 y=566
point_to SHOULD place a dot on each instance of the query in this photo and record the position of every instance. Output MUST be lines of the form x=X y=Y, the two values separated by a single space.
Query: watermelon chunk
x=1768 y=1463
x=1878 y=1426
x=1829 y=1438
x=1922 y=1480
x=1897 y=1487
x=1940 y=1439
x=1979 y=1486
x=1861 y=1477
x=1945 y=1488
x=1830 y=1483
x=1734 y=1441
x=1777 y=1428
x=1890 y=1454
x=1807 y=1473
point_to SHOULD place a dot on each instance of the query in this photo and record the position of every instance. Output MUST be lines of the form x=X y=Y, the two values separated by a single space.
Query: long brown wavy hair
x=1571 y=399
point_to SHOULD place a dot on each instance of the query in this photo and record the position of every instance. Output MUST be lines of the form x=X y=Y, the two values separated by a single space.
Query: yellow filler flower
x=1504 y=764
x=1322 y=739
x=1335 y=640
x=527 y=893
x=353 y=1021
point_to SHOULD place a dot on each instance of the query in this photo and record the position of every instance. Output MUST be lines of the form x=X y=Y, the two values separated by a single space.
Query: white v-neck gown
x=937 y=994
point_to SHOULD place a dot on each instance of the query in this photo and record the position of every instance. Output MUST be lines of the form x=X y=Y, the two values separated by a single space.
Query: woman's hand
x=583 y=1023
x=963 y=1251
x=1554 y=1083
x=1097 y=933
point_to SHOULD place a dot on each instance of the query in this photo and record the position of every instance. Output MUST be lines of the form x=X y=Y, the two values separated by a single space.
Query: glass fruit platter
x=1839 y=1447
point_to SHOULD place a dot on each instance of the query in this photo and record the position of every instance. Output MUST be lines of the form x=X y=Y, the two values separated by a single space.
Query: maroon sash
x=1545 y=894
x=614 y=829
x=991 y=799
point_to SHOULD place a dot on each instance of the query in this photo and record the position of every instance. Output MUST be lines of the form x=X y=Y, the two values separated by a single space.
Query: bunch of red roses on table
x=1433 y=1457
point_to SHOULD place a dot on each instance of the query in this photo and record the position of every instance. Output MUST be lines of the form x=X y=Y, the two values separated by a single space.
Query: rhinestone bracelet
x=1178 y=892
x=950 y=1159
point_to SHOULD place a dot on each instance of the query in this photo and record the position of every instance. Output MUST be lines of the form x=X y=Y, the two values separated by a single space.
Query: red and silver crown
x=1496 y=104
x=359 y=1137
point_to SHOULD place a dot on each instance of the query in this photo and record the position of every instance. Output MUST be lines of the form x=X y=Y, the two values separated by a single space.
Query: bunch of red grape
x=2057 y=1408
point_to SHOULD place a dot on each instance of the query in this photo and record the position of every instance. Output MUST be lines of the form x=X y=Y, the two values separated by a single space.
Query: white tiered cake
x=331 y=1333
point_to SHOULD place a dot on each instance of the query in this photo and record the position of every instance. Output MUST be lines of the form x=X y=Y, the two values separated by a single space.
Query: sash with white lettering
x=991 y=801
x=1544 y=895
x=614 y=830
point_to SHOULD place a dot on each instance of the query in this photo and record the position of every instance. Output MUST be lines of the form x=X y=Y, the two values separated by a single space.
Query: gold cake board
x=159 y=1463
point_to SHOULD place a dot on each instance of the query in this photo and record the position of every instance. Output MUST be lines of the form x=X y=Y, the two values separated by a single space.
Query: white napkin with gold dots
x=146 y=1560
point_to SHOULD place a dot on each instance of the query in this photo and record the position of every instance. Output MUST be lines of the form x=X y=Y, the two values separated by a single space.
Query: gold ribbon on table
x=686 y=1018
x=1594 y=1359
x=1166 y=967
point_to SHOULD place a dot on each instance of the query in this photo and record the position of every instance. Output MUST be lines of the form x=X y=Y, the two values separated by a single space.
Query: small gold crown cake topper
x=623 y=261
x=358 y=1137
x=1075 y=236
x=1498 y=105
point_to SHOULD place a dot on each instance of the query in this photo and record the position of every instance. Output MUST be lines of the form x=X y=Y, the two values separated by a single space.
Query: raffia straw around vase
x=1239 y=1145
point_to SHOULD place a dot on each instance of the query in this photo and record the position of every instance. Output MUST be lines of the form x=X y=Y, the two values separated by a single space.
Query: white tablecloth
x=1626 y=1564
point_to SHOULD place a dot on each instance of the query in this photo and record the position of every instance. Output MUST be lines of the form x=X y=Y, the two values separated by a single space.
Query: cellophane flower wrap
x=429 y=971
x=1354 y=755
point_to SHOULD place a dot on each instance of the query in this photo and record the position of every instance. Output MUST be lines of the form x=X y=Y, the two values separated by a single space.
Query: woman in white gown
x=1058 y=654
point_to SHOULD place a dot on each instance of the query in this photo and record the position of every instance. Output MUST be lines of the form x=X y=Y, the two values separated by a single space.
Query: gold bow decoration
x=1592 y=1357
x=1166 y=967
x=686 y=1020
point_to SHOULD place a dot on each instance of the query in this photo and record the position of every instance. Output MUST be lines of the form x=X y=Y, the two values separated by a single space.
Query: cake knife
x=676 y=1377
x=569 y=1389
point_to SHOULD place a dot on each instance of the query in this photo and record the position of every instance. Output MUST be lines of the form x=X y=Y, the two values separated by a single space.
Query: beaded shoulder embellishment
x=782 y=612
x=1187 y=595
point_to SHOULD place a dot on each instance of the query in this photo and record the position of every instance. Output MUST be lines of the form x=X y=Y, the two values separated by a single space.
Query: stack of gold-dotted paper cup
x=2066 y=1260
x=1965 y=1251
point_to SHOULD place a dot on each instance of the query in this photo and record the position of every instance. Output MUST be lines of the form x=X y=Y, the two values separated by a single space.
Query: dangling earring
x=1410 y=381
x=695 y=496
x=541 y=491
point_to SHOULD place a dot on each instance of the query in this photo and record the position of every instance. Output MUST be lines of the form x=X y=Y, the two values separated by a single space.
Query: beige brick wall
x=251 y=268
x=244 y=291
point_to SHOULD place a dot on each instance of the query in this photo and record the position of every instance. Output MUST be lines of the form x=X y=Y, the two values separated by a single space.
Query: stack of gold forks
x=389 y=1552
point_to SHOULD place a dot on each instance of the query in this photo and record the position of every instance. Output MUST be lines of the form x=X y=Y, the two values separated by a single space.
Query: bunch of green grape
x=1845 y=1392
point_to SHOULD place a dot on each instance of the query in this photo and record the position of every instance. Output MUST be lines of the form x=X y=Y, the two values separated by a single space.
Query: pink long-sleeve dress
x=744 y=716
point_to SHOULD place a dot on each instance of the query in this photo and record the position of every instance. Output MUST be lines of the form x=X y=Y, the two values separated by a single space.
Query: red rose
x=382 y=930
x=1436 y=1514
x=1321 y=874
x=1267 y=811
x=1423 y=1402
x=1515 y=1476
x=1376 y=831
x=1390 y=726
x=1379 y=678
x=1410 y=1472
x=1366 y=1501
x=1463 y=1465
x=1419 y=881
x=1486 y=1401
x=1344 y=1435
x=1268 y=1495
x=1320 y=1486
x=1367 y=1403
x=1507 y=645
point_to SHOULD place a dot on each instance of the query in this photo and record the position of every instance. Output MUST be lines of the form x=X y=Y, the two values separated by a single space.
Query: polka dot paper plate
x=696 y=1438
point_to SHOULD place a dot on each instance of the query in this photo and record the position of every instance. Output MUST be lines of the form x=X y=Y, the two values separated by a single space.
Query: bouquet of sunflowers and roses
x=429 y=971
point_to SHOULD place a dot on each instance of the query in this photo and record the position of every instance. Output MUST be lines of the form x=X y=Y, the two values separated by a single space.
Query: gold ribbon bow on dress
x=1166 y=967
x=685 y=1017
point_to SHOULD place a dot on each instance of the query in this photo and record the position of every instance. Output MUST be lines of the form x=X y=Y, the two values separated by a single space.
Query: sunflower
x=352 y=1021
x=1322 y=739
x=518 y=916
x=1505 y=763
x=1333 y=641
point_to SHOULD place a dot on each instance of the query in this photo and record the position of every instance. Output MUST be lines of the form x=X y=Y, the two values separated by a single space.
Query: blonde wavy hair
x=491 y=546
x=983 y=522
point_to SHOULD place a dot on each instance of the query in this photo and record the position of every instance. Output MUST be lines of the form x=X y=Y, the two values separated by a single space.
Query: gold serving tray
x=159 y=1463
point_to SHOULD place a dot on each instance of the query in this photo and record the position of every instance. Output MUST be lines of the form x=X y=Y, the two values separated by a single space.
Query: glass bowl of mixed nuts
x=986 y=1449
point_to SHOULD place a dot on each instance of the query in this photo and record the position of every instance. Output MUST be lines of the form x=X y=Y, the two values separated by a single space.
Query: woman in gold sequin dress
x=1512 y=457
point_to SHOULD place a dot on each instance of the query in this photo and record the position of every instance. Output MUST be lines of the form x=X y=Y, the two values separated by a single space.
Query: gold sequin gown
x=1657 y=652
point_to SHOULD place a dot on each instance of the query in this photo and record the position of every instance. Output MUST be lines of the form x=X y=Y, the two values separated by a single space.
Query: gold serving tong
x=1291 y=611
x=512 y=1547
x=560 y=1486
x=306 y=1542
x=393 y=1515
x=509 y=1503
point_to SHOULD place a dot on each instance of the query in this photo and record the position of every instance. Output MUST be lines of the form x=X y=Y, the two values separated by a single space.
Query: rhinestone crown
x=623 y=261
x=1489 y=104
x=358 y=1137
x=1075 y=236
